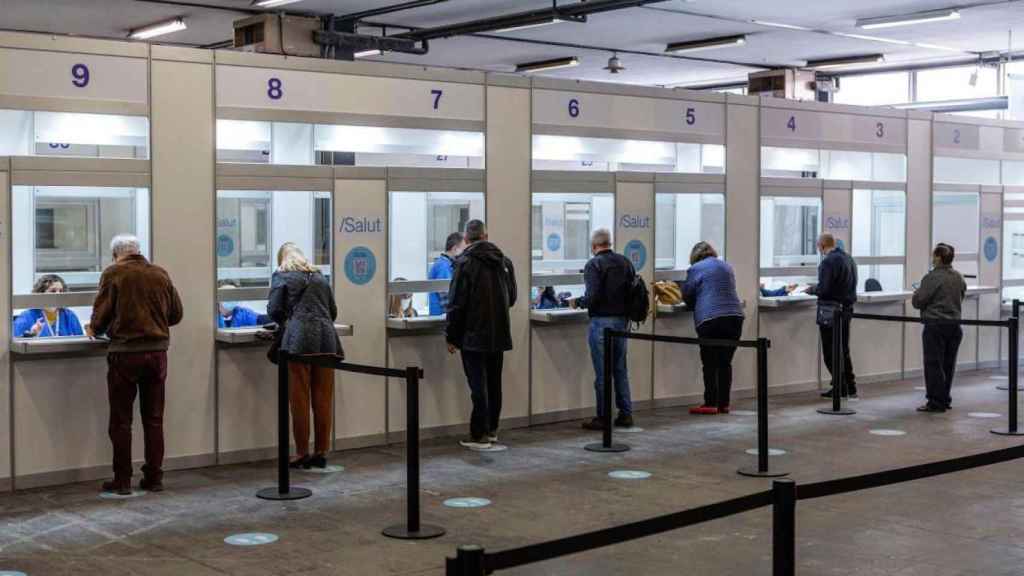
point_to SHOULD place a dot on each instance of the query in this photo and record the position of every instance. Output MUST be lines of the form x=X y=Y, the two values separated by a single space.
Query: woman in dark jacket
x=302 y=304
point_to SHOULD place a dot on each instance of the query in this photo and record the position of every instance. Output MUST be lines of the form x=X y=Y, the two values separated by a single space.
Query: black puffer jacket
x=303 y=306
x=483 y=288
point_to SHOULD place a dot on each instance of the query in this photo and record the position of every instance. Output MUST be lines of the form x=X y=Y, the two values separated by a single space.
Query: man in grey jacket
x=940 y=297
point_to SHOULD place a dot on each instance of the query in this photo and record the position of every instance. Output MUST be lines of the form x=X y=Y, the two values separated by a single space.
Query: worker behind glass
x=47 y=322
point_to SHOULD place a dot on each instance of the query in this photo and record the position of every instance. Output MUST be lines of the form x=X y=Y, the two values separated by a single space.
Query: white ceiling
x=983 y=27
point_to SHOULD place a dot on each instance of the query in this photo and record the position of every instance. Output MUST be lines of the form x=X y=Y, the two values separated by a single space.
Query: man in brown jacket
x=135 y=307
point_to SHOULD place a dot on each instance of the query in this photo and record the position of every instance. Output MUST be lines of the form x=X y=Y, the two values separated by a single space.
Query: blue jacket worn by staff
x=441 y=269
x=608 y=277
x=483 y=289
x=241 y=317
x=837 y=279
x=710 y=291
x=67 y=324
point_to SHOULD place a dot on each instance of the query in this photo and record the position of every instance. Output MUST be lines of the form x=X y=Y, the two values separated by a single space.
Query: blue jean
x=620 y=375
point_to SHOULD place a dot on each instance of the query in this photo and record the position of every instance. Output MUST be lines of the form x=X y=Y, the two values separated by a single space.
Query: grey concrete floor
x=547 y=487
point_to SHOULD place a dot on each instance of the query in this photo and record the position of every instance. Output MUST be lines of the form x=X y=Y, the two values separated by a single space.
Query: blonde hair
x=291 y=259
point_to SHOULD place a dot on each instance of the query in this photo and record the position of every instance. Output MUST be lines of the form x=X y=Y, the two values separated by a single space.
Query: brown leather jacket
x=136 y=306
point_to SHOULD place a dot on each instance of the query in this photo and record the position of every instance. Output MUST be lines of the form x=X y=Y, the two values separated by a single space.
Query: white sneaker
x=471 y=444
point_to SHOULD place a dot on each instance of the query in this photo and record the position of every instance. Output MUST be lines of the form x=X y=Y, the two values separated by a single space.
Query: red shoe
x=704 y=410
x=724 y=409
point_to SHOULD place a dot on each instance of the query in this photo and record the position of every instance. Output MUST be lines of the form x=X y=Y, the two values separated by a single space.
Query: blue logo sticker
x=225 y=246
x=637 y=254
x=360 y=265
x=991 y=249
x=554 y=242
x=840 y=244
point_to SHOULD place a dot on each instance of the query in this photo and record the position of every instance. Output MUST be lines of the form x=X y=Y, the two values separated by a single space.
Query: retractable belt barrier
x=413 y=529
x=1012 y=325
x=475 y=561
x=761 y=345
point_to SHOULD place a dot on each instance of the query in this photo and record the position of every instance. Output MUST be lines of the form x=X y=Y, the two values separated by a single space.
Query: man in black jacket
x=837 y=285
x=482 y=290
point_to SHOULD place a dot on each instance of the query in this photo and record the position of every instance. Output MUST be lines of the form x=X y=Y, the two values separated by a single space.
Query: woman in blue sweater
x=710 y=291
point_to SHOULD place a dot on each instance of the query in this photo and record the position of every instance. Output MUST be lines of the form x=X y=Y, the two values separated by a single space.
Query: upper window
x=966 y=170
x=874 y=89
x=682 y=220
x=956 y=83
x=610 y=155
x=30 y=133
x=833 y=164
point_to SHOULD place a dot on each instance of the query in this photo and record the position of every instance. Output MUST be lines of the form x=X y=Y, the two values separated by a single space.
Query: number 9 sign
x=80 y=75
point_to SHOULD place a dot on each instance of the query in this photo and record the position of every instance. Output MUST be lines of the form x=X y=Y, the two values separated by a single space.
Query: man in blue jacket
x=837 y=285
x=442 y=269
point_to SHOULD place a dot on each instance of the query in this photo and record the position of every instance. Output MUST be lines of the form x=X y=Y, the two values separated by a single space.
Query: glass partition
x=1013 y=246
x=832 y=164
x=879 y=237
x=681 y=220
x=956 y=221
x=251 y=226
x=552 y=152
x=790 y=226
x=36 y=133
x=966 y=171
x=66 y=231
x=562 y=225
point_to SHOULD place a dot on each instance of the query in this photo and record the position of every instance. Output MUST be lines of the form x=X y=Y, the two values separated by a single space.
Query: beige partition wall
x=508 y=215
x=634 y=238
x=919 y=227
x=6 y=443
x=183 y=200
x=990 y=273
x=360 y=269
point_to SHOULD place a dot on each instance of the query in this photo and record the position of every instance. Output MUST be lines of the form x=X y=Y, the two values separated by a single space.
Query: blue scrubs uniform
x=67 y=324
x=242 y=317
x=441 y=269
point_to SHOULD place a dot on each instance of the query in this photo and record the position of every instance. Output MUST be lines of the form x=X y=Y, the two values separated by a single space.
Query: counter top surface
x=58 y=345
x=558 y=315
x=976 y=290
x=416 y=323
x=250 y=334
x=887 y=296
x=786 y=301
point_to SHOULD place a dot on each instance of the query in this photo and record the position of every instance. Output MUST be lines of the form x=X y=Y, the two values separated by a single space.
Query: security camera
x=614 y=64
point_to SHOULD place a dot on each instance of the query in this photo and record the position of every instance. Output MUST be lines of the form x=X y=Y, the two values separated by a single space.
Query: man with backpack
x=614 y=296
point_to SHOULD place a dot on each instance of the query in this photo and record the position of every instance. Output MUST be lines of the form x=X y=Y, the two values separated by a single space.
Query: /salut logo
x=837 y=223
x=635 y=221
x=358 y=225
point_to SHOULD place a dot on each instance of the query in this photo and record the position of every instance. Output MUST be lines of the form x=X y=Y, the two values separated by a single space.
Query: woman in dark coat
x=302 y=303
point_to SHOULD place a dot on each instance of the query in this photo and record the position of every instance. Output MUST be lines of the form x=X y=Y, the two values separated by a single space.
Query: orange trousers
x=308 y=383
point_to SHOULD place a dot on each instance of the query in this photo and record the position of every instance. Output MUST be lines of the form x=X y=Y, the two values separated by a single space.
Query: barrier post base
x=840 y=412
x=1007 y=432
x=755 y=473
x=600 y=447
x=293 y=493
x=402 y=532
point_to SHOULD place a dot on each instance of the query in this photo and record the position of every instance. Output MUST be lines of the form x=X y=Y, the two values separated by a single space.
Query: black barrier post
x=606 y=444
x=412 y=529
x=762 y=470
x=839 y=315
x=468 y=561
x=284 y=490
x=784 y=528
x=1013 y=324
x=1016 y=315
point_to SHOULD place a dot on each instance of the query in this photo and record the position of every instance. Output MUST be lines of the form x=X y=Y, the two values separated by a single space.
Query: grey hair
x=124 y=245
x=702 y=250
x=601 y=237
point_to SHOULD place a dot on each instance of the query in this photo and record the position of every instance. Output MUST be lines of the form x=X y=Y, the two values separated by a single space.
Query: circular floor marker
x=11 y=573
x=771 y=451
x=630 y=430
x=629 y=475
x=493 y=448
x=743 y=413
x=984 y=415
x=887 y=432
x=333 y=469
x=113 y=496
x=251 y=539
x=467 y=502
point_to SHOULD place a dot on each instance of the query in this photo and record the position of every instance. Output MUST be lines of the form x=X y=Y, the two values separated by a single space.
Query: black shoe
x=931 y=408
x=594 y=424
x=151 y=485
x=299 y=463
x=624 y=421
x=119 y=487
x=828 y=394
x=316 y=461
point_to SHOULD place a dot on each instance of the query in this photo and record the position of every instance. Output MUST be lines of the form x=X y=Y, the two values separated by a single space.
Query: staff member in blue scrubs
x=234 y=316
x=47 y=322
x=442 y=269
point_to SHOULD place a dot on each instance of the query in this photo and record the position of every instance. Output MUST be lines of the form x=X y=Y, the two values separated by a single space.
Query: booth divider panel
x=5 y=330
x=634 y=238
x=742 y=229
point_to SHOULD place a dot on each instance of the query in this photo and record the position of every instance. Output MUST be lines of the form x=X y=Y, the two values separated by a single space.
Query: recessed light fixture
x=909 y=19
x=366 y=53
x=272 y=3
x=706 y=44
x=543 y=65
x=158 y=29
x=845 y=61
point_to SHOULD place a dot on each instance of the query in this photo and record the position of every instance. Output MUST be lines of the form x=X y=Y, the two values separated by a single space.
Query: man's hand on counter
x=89 y=331
x=451 y=348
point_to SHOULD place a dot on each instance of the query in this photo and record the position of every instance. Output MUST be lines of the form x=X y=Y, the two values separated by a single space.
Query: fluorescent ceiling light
x=366 y=53
x=909 y=19
x=780 y=25
x=706 y=44
x=845 y=61
x=936 y=47
x=543 y=65
x=538 y=24
x=874 y=38
x=273 y=3
x=158 y=29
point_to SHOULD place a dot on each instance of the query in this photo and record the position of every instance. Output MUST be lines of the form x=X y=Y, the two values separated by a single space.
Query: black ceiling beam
x=388 y=9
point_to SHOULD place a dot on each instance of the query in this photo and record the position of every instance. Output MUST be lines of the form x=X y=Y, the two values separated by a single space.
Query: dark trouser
x=143 y=374
x=311 y=386
x=716 y=360
x=849 y=379
x=483 y=373
x=620 y=373
x=941 y=343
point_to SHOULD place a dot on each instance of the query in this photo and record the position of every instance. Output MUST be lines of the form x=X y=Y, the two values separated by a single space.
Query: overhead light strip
x=158 y=29
x=544 y=65
x=827 y=63
x=273 y=3
x=528 y=25
x=367 y=53
x=909 y=19
x=706 y=44
x=781 y=25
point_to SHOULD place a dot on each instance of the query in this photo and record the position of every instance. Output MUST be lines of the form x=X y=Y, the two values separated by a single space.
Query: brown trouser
x=303 y=379
x=143 y=374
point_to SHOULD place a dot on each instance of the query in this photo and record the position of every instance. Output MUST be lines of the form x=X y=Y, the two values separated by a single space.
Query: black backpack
x=639 y=304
